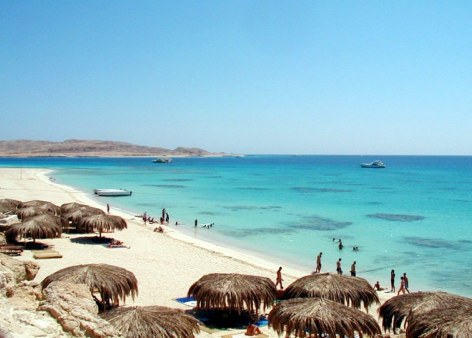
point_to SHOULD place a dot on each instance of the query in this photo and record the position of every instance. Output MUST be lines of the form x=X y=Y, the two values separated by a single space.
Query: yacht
x=374 y=164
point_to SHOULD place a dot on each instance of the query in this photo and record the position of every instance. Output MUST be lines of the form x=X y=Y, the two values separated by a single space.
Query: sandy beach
x=164 y=264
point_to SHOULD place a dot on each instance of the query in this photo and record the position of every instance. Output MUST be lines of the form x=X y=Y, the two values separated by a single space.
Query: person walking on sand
x=318 y=263
x=108 y=208
x=405 y=280
x=392 y=281
x=353 y=269
x=278 y=279
x=402 y=286
x=339 y=270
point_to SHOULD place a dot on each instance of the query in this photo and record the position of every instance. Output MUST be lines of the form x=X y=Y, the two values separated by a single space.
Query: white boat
x=374 y=164
x=162 y=160
x=112 y=192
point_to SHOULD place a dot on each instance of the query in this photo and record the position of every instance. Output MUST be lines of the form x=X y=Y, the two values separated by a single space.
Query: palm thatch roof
x=41 y=226
x=398 y=308
x=48 y=206
x=446 y=322
x=112 y=282
x=152 y=321
x=320 y=317
x=351 y=291
x=8 y=205
x=233 y=292
x=66 y=207
x=27 y=212
x=77 y=214
x=101 y=223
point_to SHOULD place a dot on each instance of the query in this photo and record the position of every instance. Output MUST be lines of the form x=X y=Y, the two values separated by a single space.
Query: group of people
x=163 y=219
x=403 y=283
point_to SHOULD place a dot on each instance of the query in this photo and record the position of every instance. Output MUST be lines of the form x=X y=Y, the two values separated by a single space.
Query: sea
x=414 y=217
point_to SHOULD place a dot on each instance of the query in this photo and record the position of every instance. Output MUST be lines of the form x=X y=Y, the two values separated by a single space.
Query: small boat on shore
x=112 y=192
x=375 y=164
x=162 y=160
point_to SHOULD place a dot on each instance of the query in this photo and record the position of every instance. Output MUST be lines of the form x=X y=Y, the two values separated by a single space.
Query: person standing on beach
x=353 y=269
x=108 y=208
x=402 y=286
x=278 y=278
x=196 y=222
x=318 y=263
x=339 y=270
x=392 y=281
x=405 y=280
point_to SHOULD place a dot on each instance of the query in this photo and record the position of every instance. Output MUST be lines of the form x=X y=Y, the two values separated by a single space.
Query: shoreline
x=165 y=265
x=34 y=183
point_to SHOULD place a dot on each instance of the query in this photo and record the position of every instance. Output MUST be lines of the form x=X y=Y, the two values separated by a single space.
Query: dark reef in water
x=397 y=217
x=305 y=190
x=172 y=186
x=256 y=231
x=436 y=243
x=251 y=207
x=319 y=223
x=178 y=179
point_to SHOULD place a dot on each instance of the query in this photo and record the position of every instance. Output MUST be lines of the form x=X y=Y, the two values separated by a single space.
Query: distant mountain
x=82 y=148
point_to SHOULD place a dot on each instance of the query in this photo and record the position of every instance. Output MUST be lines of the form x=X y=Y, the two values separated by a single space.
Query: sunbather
x=252 y=330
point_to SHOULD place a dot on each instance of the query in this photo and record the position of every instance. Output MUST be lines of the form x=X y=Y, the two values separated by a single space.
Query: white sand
x=164 y=264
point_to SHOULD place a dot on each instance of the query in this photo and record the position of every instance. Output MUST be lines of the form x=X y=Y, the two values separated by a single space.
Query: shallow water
x=414 y=216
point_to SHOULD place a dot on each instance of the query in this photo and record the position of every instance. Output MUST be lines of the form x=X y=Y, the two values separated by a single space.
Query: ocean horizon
x=413 y=216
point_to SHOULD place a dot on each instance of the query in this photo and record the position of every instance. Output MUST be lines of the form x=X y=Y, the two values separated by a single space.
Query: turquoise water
x=415 y=216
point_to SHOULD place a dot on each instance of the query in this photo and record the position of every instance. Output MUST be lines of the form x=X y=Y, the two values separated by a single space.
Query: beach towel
x=189 y=301
x=46 y=254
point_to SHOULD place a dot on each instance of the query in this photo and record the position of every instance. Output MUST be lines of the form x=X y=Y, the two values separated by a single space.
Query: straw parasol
x=319 y=317
x=446 y=322
x=152 y=321
x=101 y=223
x=41 y=226
x=66 y=207
x=112 y=282
x=48 y=206
x=27 y=212
x=75 y=215
x=397 y=308
x=351 y=291
x=233 y=292
x=8 y=205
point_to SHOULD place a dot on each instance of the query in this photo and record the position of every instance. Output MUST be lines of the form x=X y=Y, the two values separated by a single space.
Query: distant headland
x=92 y=148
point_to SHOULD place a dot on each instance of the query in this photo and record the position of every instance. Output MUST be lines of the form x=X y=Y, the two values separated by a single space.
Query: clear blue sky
x=241 y=76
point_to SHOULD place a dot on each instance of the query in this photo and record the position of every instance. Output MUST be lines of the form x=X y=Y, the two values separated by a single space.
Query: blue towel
x=184 y=299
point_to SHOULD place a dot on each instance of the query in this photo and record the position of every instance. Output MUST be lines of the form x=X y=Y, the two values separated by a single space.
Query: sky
x=241 y=76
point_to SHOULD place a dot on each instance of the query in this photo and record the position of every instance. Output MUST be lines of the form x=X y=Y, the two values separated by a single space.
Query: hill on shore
x=84 y=148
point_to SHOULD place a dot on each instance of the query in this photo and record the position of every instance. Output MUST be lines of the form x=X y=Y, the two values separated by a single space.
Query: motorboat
x=162 y=160
x=112 y=192
x=374 y=164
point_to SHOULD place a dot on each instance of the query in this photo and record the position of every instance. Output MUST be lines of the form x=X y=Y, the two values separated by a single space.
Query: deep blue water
x=415 y=216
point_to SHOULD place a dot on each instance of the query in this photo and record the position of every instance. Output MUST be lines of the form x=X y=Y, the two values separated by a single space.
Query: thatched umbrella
x=66 y=207
x=48 y=206
x=446 y=322
x=41 y=226
x=112 y=282
x=152 y=321
x=320 y=317
x=398 y=308
x=76 y=215
x=8 y=205
x=101 y=223
x=28 y=212
x=233 y=292
x=351 y=291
